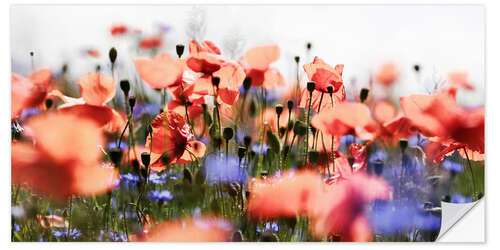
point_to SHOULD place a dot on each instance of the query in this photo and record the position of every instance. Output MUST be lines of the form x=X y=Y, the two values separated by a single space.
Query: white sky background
x=439 y=38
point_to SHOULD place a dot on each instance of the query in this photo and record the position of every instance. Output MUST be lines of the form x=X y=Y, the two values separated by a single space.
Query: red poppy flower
x=346 y=118
x=118 y=29
x=160 y=72
x=96 y=89
x=93 y=53
x=200 y=229
x=256 y=63
x=387 y=74
x=150 y=42
x=460 y=79
x=65 y=158
x=384 y=111
x=287 y=195
x=323 y=75
x=183 y=95
x=204 y=59
x=171 y=141
x=28 y=92
x=344 y=214
x=464 y=126
x=399 y=127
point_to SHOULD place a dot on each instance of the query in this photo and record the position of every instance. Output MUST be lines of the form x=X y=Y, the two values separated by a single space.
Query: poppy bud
x=237 y=236
x=98 y=68
x=297 y=59
x=416 y=67
x=179 y=48
x=112 y=55
x=215 y=81
x=125 y=86
x=378 y=167
x=289 y=104
x=65 y=68
x=131 y=102
x=279 y=109
x=282 y=131
x=351 y=160
x=241 y=152
x=200 y=177
x=311 y=86
x=115 y=155
x=145 y=158
x=364 y=94
x=247 y=83
x=32 y=53
x=330 y=89
x=309 y=45
x=228 y=133
x=403 y=144
x=188 y=177
x=247 y=140
x=48 y=103
x=300 y=128
x=273 y=141
x=313 y=156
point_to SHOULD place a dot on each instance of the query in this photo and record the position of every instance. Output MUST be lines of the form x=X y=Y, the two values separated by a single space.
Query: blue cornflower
x=417 y=140
x=458 y=198
x=220 y=169
x=114 y=144
x=158 y=179
x=157 y=195
x=256 y=148
x=73 y=233
x=129 y=180
x=379 y=155
x=452 y=166
x=117 y=236
x=17 y=228
x=269 y=227
x=147 y=108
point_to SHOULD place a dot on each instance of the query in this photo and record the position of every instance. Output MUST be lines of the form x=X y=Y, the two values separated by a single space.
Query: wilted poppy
x=65 y=158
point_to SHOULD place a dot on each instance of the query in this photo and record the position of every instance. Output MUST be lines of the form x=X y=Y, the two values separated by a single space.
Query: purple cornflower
x=157 y=195
x=158 y=179
x=221 y=169
x=452 y=166
x=269 y=227
x=129 y=180
x=458 y=198
x=114 y=144
x=73 y=233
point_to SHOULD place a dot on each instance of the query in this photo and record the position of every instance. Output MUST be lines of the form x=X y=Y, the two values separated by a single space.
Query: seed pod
x=289 y=104
x=241 y=152
x=247 y=83
x=297 y=59
x=416 y=67
x=364 y=94
x=146 y=159
x=48 y=103
x=403 y=144
x=112 y=55
x=279 y=109
x=125 y=86
x=215 y=81
x=329 y=89
x=131 y=102
x=309 y=46
x=299 y=128
x=311 y=86
x=115 y=155
x=179 y=48
x=228 y=133
x=273 y=141
x=247 y=140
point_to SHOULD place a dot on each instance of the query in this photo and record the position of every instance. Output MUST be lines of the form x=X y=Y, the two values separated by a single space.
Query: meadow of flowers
x=199 y=146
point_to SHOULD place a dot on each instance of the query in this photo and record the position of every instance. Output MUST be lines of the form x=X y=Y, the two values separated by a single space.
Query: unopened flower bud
x=112 y=55
x=215 y=81
x=309 y=45
x=279 y=109
x=131 y=102
x=115 y=155
x=311 y=86
x=329 y=89
x=145 y=158
x=228 y=133
x=300 y=128
x=48 y=103
x=416 y=67
x=364 y=94
x=247 y=140
x=297 y=59
x=179 y=48
x=403 y=144
x=247 y=83
x=125 y=86
x=289 y=104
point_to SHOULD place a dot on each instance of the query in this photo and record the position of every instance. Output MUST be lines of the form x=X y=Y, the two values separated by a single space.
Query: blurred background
x=440 y=39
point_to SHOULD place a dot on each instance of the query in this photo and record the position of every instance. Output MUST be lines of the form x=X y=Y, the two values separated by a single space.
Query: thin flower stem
x=471 y=173
x=307 y=130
